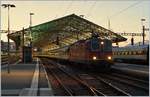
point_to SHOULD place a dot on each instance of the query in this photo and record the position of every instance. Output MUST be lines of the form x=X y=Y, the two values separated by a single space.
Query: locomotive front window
x=95 y=44
x=107 y=46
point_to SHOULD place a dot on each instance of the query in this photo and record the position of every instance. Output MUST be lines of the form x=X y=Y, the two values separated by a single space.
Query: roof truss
x=69 y=29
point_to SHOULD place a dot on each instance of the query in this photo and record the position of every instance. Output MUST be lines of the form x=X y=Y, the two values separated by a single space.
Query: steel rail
x=114 y=87
x=92 y=89
x=130 y=78
x=69 y=91
x=119 y=91
x=125 y=82
x=4 y=59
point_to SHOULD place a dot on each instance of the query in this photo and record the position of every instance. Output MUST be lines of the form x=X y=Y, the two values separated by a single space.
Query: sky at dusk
x=124 y=16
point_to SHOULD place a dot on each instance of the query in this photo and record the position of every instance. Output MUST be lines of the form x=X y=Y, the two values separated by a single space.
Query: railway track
x=12 y=59
x=106 y=84
x=129 y=81
x=103 y=86
x=71 y=85
x=125 y=83
x=137 y=82
x=130 y=85
x=76 y=85
x=4 y=59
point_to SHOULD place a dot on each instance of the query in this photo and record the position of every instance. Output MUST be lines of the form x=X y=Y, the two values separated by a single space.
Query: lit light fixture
x=35 y=49
x=94 y=58
x=109 y=57
x=102 y=42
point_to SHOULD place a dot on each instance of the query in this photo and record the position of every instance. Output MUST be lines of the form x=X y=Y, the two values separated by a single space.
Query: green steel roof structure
x=68 y=30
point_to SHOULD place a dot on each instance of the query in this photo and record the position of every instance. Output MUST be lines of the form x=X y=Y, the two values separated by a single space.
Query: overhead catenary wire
x=123 y=10
x=91 y=8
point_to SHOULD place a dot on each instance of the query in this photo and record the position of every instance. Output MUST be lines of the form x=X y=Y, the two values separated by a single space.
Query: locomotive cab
x=92 y=53
x=100 y=50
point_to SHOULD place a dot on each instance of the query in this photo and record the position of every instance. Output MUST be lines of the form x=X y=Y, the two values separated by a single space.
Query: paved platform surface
x=140 y=70
x=20 y=80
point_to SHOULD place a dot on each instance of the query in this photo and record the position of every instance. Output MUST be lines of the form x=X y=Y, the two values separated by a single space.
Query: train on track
x=94 y=52
x=132 y=54
x=91 y=53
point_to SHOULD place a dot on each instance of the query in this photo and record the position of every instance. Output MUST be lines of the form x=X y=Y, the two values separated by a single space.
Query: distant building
x=4 y=46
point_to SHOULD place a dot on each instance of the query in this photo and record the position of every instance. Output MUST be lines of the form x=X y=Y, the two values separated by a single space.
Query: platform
x=132 y=69
x=25 y=80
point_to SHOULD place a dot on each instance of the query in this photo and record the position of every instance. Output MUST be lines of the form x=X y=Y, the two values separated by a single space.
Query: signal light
x=94 y=58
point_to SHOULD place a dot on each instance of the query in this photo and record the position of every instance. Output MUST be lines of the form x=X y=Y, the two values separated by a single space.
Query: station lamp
x=8 y=47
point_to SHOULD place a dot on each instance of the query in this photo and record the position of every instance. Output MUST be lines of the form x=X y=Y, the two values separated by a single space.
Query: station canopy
x=65 y=31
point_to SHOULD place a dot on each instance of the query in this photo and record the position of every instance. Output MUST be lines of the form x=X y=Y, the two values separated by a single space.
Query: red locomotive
x=93 y=53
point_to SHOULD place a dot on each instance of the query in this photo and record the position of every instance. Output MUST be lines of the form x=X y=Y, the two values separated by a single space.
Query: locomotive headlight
x=102 y=43
x=94 y=58
x=109 y=57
